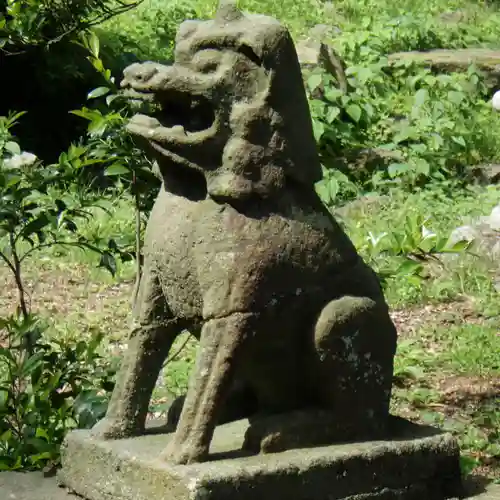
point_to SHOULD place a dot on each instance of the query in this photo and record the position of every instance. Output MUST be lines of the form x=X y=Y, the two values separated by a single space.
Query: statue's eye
x=207 y=61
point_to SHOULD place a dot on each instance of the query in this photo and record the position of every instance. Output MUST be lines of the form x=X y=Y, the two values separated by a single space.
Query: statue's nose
x=138 y=73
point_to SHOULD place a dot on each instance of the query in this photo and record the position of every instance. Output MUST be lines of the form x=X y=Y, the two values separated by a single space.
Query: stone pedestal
x=416 y=463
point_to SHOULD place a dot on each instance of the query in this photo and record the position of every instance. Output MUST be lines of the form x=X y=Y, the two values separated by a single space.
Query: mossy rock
x=457 y=60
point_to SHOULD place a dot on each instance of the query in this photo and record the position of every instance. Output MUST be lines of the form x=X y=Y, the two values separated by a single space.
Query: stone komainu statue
x=293 y=327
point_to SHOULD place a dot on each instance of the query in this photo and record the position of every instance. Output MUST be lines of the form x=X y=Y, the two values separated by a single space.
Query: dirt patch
x=409 y=321
x=461 y=391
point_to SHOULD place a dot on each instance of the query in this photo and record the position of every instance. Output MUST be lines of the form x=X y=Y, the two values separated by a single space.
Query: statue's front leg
x=221 y=344
x=149 y=343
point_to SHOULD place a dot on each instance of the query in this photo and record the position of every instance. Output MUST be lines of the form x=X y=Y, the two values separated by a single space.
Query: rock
x=31 y=486
x=456 y=60
x=495 y=101
x=484 y=232
x=494 y=219
x=453 y=16
x=308 y=48
x=315 y=51
x=485 y=174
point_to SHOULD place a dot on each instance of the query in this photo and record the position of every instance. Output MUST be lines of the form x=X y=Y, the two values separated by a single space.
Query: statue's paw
x=109 y=428
x=184 y=454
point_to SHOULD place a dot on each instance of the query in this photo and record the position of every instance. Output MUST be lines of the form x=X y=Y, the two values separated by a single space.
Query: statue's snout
x=139 y=74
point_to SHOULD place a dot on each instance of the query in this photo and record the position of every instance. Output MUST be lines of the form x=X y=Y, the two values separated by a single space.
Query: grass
x=447 y=368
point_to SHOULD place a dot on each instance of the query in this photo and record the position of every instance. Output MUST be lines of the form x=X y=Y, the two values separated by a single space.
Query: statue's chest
x=211 y=258
x=181 y=229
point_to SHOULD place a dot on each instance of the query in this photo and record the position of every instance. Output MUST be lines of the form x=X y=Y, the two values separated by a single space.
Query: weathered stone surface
x=485 y=174
x=31 y=486
x=457 y=60
x=484 y=234
x=240 y=251
x=315 y=50
x=417 y=463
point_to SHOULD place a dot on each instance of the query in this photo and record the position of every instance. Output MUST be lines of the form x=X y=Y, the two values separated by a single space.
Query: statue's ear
x=287 y=95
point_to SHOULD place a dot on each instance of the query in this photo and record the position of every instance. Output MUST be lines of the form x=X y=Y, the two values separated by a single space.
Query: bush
x=47 y=387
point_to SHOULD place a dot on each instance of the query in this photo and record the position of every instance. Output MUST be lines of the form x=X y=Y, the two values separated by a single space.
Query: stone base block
x=416 y=463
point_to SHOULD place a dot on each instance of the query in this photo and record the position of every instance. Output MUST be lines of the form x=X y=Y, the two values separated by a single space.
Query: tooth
x=178 y=129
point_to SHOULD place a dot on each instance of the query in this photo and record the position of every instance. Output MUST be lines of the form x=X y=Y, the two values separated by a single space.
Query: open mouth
x=173 y=109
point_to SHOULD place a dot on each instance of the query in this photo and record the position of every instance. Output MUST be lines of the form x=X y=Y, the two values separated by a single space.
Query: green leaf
x=7 y=355
x=98 y=92
x=422 y=166
x=31 y=364
x=354 y=111
x=6 y=436
x=332 y=94
x=94 y=44
x=97 y=127
x=35 y=225
x=111 y=98
x=86 y=113
x=333 y=113
x=323 y=191
x=459 y=140
x=456 y=97
x=409 y=267
x=333 y=188
x=396 y=169
x=13 y=147
x=116 y=169
x=12 y=180
x=318 y=129
x=458 y=247
x=40 y=444
x=420 y=97
x=314 y=81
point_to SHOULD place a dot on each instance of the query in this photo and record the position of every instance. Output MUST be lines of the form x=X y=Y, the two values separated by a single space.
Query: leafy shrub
x=149 y=31
x=46 y=386
x=45 y=391
x=426 y=127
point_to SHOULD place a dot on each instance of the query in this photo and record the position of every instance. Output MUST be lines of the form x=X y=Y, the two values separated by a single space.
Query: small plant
x=404 y=254
x=112 y=146
x=46 y=390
